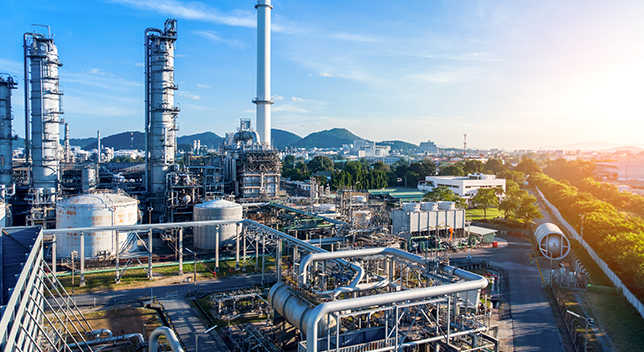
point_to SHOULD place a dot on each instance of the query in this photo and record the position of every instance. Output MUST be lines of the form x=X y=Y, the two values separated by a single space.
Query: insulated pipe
x=311 y=320
x=169 y=335
x=306 y=261
x=80 y=345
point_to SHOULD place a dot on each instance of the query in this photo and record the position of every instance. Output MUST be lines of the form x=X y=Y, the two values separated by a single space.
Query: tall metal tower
x=263 y=100
x=43 y=99
x=7 y=83
x=464 y=144
x=160 y=111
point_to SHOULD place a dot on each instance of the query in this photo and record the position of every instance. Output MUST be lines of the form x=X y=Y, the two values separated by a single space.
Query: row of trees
x=616 y=237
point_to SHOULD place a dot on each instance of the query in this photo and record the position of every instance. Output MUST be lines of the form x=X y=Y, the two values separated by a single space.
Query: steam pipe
x=473 y=282
x=169 y=335
x=306 y=261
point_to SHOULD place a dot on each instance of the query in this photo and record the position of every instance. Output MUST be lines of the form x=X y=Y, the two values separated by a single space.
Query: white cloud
x=289 y=108
x=353 y=37
x=296 y=99
x=202 y=86
x=138 y=64
x=277 y=97
x=325 y=74
x=214 y=37
x=190 y=96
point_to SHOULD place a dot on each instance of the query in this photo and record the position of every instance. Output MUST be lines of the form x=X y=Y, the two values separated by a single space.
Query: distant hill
x=123 y=140
x=401 y=146
x=283 y=139
x=333 y=138
x=210 y=139
x=80 y=142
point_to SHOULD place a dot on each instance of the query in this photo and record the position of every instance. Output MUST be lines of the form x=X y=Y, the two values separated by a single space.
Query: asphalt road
x=533 y=324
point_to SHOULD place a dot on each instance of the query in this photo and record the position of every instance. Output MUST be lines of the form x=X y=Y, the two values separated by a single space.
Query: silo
x=218 y=209
x=551 y=241
x=90 y=210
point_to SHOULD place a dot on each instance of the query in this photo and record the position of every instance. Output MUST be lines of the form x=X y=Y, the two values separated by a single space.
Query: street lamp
x=197 y=337
x=194 y=265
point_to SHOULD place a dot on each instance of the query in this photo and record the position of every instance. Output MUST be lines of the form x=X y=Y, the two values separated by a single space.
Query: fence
x=632 y=299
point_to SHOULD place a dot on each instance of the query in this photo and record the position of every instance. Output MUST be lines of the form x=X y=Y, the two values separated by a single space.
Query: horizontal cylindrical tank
x=218 y=209
x=551 y=241
x=429 y=206
x=89 y=210
x=410 y=206
x=446 y=205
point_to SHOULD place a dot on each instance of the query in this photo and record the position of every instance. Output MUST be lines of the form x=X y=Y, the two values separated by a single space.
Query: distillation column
x=263 y=100
x=161 y=114
x=46 y=108
x=7 y=83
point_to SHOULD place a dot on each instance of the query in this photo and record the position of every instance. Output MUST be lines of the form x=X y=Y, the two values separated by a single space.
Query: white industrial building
x=464 y=186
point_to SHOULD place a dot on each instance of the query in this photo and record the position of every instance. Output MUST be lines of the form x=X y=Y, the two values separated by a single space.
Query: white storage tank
x=429 y=206
x=218 y=209
x=445 y=205
x=410 y=206
x=90 y=210
x=551 y=241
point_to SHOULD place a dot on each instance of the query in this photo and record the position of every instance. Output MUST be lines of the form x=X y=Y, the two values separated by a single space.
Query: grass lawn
x=138 y=277
x=476 y=213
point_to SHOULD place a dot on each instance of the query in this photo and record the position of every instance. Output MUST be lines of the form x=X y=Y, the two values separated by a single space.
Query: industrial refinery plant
x=339 y=272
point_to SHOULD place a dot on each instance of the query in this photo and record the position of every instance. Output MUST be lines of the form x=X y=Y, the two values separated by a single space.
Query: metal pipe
x=138 y=336
x=169 y=335
x=474 y=282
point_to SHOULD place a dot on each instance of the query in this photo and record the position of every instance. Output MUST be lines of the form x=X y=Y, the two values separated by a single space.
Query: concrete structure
x=263 y=100
x=212 y=237
x=7 y=83
x=464 y=186
x=414 y=221
x=91 y=210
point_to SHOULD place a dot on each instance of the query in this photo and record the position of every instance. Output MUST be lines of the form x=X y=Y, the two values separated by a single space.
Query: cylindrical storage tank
x=410 y=206
x=89 y=178
x=90 y=210
x=445 y=205
x=551 y=241
x=218 y=209
x=429 y=206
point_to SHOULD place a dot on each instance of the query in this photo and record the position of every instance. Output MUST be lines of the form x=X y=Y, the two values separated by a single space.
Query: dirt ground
x=125 y=320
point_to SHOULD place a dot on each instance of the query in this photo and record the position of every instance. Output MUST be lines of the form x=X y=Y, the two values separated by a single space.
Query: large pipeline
x=551 y=241
x=173 y=341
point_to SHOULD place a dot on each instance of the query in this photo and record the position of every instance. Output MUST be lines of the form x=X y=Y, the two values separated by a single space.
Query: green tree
x=528 y=166
x=484 y=198
x=442 y=193
x=452 y=170
x=320 y=163
x=495 y=166
x=473 y=166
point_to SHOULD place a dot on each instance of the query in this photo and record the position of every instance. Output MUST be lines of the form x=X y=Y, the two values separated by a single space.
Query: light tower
x=263 y=100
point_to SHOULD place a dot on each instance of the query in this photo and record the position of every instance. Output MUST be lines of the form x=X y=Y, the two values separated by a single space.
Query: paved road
x=533 y=324
x=183 y=317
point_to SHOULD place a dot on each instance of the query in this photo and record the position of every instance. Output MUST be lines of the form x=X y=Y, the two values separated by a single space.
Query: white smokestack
x=263 y=100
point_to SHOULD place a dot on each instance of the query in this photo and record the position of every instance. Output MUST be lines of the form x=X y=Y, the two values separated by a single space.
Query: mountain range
x=333 y=138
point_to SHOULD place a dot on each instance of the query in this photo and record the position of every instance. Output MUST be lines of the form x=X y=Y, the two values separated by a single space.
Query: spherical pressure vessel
x=551 y=241
x=90 y=210
x=218 y=209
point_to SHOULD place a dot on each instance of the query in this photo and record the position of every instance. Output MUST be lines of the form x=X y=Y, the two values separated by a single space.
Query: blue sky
x=510 y=74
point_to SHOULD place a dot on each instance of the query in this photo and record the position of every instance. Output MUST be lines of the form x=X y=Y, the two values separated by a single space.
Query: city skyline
x=510 y=75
